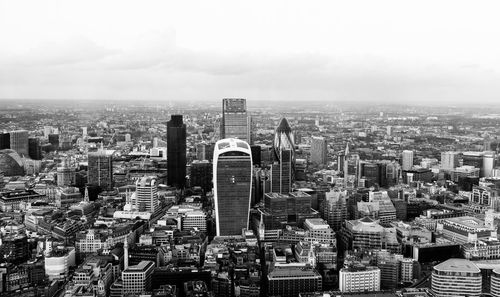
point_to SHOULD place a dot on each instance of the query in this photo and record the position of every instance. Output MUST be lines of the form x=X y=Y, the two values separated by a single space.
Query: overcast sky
x=418 y=51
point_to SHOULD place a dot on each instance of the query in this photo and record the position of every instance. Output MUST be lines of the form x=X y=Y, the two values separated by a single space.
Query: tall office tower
x=488 y=163
x=100 y=169
x=335 y=209
x=281 y=173
x=146 y=195
x=340 y=161
x=407 y=157
x=54 y=141
x=34 y=148
x=137 y=278
x=232 y=170
x=201 y=174
x=19 y=142
x=66 y=174
x=283 y=138
x=4 y=140
x=176 y=151
x=373 y=173
x=456 y=277
x=235 y=121
x=449 y=160
x=318 y=150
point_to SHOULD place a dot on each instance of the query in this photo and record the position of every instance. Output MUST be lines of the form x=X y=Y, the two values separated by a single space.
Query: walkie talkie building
x=232 y=173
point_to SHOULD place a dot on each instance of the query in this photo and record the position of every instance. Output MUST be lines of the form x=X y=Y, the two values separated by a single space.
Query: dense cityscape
x=237 y=197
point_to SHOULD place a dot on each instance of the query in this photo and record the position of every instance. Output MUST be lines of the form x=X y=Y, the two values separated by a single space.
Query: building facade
x=232 y=169
x=176 y=151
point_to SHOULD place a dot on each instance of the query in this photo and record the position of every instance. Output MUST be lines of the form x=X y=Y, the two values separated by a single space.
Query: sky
x=439 y=52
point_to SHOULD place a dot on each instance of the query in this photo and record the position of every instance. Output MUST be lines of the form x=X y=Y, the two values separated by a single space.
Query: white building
x=407 y=157
x=195 y=219
x=320 y=231
x=456 y=277
x=361 y=279
x=58 y=261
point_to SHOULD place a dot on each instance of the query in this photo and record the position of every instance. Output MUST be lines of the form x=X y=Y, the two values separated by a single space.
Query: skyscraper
x=407 y=157
x=176 y=151
x=146 y=195
x=66 y=174
x=281 y=173
x=449 y=160
x=34 y=148
x=318 y=150
x=235 y=121
x=335 y=209
x=232 y=170
x=100 y=169
x=4 y=140
x=19 y=142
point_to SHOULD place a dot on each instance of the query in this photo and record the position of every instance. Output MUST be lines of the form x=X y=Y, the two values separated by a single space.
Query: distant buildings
x=232 y=169
x=335 y=209
x=176 y=151
x=235 y=121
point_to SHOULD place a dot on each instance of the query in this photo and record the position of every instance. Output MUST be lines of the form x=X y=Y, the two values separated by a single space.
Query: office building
x=137 y=278
x=359 y=278
x=284 y=150
x=449 y=160
x=201 y=174
x=456 y=277
x=407 y=160
x=290 y=281
x=407 y=270
x=235 y=121
x=196 y=219
x=19 y=142
x=232 y=170
x=465 y=229
x=66 y=174
x=281 y=173
x=335 y=209
x=320 y=231
x=100 y=169
x=146 y=195
x=474 y=159
x=495 y=282
x=176 y=151
x=318 y=150
x=34 y=148
x=488 y=163
x=367 y=234
x=54 y=141
x=4 y=140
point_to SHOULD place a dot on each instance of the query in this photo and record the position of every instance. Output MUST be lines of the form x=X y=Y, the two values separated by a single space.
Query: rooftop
x=457 y=265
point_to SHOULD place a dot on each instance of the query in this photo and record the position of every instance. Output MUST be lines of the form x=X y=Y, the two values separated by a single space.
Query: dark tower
x=176 y=151
x=4 y=140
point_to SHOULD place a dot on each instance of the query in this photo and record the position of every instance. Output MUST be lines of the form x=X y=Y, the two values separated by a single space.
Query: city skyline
x=285 y=51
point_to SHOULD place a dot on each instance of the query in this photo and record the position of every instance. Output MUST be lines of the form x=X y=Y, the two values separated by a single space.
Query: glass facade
x=232 y=187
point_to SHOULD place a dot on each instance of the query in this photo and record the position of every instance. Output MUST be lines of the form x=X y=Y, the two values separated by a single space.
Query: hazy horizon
x=425 y=52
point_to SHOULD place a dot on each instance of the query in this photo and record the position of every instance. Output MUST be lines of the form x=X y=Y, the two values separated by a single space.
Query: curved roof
x=457 y=265
x=231 y=144
x=11 y=163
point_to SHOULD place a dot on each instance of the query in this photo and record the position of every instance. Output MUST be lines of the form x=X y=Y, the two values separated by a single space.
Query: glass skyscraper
x=232 y=170
x=235 y=121
x=176 y=151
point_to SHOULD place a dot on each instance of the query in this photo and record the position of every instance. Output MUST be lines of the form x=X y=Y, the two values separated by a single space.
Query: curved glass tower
x=283 y=139
x=232 y=172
